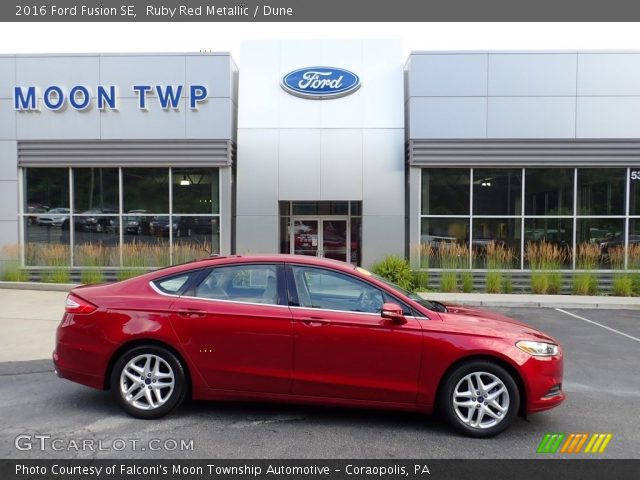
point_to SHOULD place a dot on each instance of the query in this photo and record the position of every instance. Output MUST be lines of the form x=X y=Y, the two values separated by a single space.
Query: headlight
x=538 y=349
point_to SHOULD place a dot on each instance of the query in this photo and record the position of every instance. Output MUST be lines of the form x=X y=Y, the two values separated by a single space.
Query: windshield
x=434 y=306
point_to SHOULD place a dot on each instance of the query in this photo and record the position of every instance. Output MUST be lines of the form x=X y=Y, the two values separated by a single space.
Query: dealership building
x=341 y=149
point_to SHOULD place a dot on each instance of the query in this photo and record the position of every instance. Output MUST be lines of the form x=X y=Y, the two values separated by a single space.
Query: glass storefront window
x=444 y=230
x=440 y=237
x=46 y=189
x=146 y=251
x=445 y=191
x=199 y=237
x=93 y=248
x=603 y=233
x=46 y=245
x=151 y=236
x=634 y=243
x=548 y=191
x=500 y=232
x=555 y=231
x=634 y=191
x=497 y=191
x=285 y=229
x=96 y=190
x=601 y=191
x=46 y=210
x=146 y=190
x=320 y=208
x=195 y=190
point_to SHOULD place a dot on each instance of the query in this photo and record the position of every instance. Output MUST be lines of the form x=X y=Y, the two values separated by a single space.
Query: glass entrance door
x=334 y=239
x=320 y=237
x=305 y=237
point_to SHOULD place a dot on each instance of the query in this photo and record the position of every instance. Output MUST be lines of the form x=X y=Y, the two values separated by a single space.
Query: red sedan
x=302 y=329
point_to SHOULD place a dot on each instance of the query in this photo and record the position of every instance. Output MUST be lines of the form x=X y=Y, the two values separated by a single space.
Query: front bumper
x=544 y=382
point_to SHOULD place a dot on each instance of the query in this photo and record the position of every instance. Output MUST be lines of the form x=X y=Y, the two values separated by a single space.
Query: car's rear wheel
x=480 y=398
x=148 y=381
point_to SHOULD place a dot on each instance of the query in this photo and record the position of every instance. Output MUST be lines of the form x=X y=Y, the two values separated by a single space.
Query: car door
x=237 y=329
x=343 y=347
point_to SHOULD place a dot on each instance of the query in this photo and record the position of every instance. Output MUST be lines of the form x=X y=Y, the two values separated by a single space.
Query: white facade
x=344 y=149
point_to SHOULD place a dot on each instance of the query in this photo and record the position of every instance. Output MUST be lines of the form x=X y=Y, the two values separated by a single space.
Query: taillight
x=77 y=305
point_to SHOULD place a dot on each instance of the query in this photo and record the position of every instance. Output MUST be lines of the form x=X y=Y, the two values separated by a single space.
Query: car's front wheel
x=480 y=398
x=148 y=381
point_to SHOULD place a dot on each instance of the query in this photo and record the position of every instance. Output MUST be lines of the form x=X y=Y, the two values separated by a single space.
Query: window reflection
x=96 y=190
x=601 y=191
x=96 y=225
x=496 y=232
x=146 y=189
x=195 y=190
x=497 y=191
x=445 y=191
x=549 y=191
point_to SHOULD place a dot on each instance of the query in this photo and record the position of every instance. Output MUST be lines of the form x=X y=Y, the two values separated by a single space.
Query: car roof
x=258 y=258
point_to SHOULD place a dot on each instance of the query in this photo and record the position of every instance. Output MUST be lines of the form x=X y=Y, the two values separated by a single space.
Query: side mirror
x=392 y=312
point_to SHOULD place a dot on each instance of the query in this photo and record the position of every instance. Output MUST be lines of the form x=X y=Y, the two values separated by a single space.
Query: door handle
x=315 y=321
x=191 y=313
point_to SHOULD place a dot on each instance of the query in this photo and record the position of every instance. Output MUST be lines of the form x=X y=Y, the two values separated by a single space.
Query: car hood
x=486 y=323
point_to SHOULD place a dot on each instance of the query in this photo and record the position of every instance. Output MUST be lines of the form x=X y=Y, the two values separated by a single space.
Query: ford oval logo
x=320 y=82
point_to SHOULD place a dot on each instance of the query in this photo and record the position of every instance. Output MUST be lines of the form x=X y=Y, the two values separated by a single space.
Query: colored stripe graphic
x=551 y=442
x=572 y=443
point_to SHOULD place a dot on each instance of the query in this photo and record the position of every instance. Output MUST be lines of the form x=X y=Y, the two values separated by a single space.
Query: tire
x=139 y=231
x=99 y=228
x=178 y=233
x=142 y=361
x=484 y=416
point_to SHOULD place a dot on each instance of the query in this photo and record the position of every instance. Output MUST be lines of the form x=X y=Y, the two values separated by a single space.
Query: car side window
x=241 y=283
x=173 y=285
x=319 y=288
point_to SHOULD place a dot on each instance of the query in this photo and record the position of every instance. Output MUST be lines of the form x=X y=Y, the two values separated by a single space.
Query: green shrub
x=92 y=276
x=125 y=274
x=554 y=286
x=507 y=284
x=13 y=273
x=585 y=283
x=59 y=275
x=622 y=285
x=636 y=283
x=395 y=269
x=494 y=281
x=449 y=282
x=421 y=280
x=545 y=259
x=467 y=281
x=539 y=282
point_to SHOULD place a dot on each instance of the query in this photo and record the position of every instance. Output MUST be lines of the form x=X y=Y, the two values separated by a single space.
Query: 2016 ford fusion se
x=307 y=330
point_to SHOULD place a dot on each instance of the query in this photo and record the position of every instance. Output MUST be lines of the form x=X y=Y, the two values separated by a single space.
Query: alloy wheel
x=147 y=381
x=480 y=400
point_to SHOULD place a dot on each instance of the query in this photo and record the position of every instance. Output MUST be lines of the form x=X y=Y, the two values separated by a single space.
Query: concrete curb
x=536 y=301
x=50 y=287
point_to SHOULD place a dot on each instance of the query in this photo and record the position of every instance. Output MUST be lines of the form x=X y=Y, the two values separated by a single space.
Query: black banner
x=584 y=469
x=316 y=10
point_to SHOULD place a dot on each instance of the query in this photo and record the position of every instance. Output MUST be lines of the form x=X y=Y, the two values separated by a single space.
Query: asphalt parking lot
x=601 y=381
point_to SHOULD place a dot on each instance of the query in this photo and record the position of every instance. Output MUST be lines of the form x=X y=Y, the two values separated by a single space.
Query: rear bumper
x=81 y=353
x=84 y=378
